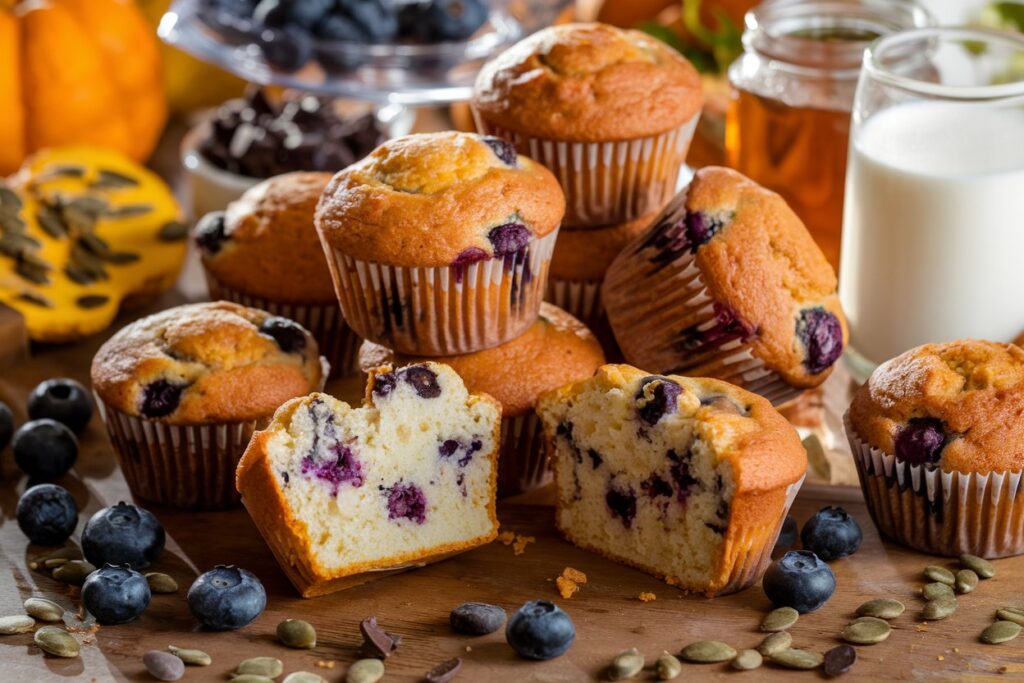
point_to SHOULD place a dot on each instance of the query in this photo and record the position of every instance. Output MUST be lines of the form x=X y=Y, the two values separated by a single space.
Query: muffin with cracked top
x=939 y=446
x=181 y=391
x=728 y=283
x=439 y=243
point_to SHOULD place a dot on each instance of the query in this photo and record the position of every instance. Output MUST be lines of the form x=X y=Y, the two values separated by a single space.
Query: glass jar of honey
x=788 y=123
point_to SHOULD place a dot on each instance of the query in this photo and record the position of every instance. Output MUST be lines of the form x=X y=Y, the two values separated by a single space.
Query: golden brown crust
x=423 y=199
x=584 y=254
x=273 y=250
x=976 y=388
x=230 y=371
x=555 y=350
x=588 y=83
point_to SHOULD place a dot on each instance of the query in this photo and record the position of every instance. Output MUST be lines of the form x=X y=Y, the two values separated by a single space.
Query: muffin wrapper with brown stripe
x=941 y=513
x=523 y=463
x=336 y=340
x=608 y=182
x=580 y=298
x=446 y=310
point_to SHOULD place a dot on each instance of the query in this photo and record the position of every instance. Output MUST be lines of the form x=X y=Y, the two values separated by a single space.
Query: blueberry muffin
x=555 y=350
x=728 y=283
x=610 y=111
x=181 y=392
x=264 y=251
x=687 y=479
x=939 y=445
x=342 y=494
x=439 y=243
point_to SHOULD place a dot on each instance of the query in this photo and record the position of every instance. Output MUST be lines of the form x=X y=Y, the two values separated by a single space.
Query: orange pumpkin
x=78 y=72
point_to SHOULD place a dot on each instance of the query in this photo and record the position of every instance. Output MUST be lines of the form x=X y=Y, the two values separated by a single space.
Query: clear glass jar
x=788 y=124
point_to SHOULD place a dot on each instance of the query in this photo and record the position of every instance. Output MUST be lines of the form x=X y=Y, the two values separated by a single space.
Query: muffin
x=728 y=283
x=686 y=479
x=439 y=243
x=343 y=494
x=182 y=391
x=611 y=112
x=555 y=350
x=939 y=446
x=264 y=252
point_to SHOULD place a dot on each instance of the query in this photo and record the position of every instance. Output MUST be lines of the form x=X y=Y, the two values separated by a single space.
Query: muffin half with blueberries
x=439 y=243
x=264 y=252
x=728 y=283
x=182 y=391
x=939 y=445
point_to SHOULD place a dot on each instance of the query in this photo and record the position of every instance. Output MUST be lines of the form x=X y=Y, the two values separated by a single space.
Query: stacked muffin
x=578 y=99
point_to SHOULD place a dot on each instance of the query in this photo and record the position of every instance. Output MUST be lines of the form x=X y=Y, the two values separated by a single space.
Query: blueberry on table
x=443 y=20
x=123 y=534
x=287 y=48
x=115 y=594
x=6 y=425
x=63 y=400
x=831 y=533
x=226 y=598
x=47 y=514
x=540 y=630
x=799 y=580
x=45 y=449
x=476 y=618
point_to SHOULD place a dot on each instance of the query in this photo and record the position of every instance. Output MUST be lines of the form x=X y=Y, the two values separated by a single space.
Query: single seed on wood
x=707 y=652
x=747 y=660
x=163 y=666
x=57 y=642
x=882 y=608
x=297 y=633
x=936 y=590
x=1000 y=632
x=1014 y=614
x=19 y=623
x=191 y=657
x=303 y=677
x=940 y=574
x=966 y=581
x=43 y=609
x=939 y=608
x=365 y=671
x=980 y=566
x=780 y=619
x=626 y=665
x=74 y=573
x=798 y=659
x=776 y=642
x=668 y=667
x=161 y=583
x=866 y=632
x=271 y=667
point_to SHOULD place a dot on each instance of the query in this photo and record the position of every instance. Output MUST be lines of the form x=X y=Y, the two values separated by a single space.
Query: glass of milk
x=933 y=225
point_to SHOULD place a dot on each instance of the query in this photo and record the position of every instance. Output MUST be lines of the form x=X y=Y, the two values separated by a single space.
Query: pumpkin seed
x=798 y=659
x=776 y=642
x=9 y=197
x=747 y=660
x=1014 y=614
x=251 y=678
x=882 y=608
x=35 y=299
x=271 y=667
x=707 y=652
x=54 y=562
x=872 y=620
x=63 y=171
x=365 y=671
x=90 y=205
x=866 y=632
x=51 y=222
x=19 y=623
x=1000 y=632
x=111 y=179
x=128 y=211
x=979 y=565
x=940 y=608
x=668 y=667
x=31 y=271
x=161 y=583
x=940 y=574
x=96 y=245
x=934 y=591
x=14 y=227
x=43 y=609
x=190 y=657
x=626 y=665
x=966 y=581
x=56 y=641
x=173 y=231
x=69 y=552
x=302 y=677
x=163 y=666
x=90 y=301
x=839 y=660
x=779 y=619
x=121 y=258
x=297 y=633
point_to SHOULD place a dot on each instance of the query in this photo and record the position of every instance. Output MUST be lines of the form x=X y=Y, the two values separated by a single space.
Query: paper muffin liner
x=336 y=340
x=941 y=513
x=523 y=461
x=447 y=310
x=608 y=182
x=580 y=298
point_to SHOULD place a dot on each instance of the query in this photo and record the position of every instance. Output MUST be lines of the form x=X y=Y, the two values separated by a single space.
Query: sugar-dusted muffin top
x=206 y=363
x=588 y=83
x=439 y=199
x=266 y=245
x=585 y=253
x=555 y=350
x=955 y=405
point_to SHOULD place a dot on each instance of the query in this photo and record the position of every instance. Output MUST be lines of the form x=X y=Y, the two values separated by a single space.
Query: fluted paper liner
x=446 y=310
x=579 y=297
x=523 y=463
x=937 y=512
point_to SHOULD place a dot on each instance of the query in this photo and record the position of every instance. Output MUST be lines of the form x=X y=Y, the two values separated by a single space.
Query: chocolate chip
x=445 y=671
x=839 y=660
x=377 y=642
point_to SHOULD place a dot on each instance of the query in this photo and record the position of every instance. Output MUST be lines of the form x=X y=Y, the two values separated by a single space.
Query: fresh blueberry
x=831 y=533
x=406 y=501
x=787 y=535
x=331 y=51
x=799 y=580
x=210 y=232
x=45 y=449
x=540 y=630
x=6 y=425
x=622 y=504
x=47 y=514
x=503 y=149
x=376 y=20
x=509 y=238
x=160 y=398
x=287 y=48
x=822 y=336
x=657 y=397
x=476 y=618
x=442 y=20
x=123 y=534
x=115 y=594
x=226 y=598
x=289 y=335
x=423 y=380
x=921 y=441
x=63 y=400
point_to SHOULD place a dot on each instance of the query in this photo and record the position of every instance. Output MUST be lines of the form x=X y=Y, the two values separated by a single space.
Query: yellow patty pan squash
x=78 y=72
x=82 y=230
